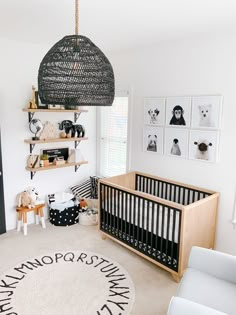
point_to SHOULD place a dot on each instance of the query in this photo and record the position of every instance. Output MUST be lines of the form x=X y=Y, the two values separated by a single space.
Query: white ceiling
x=115 y=24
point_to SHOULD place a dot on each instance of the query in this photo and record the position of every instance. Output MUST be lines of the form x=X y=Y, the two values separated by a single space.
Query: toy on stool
x=27 y=198
x=88 y=212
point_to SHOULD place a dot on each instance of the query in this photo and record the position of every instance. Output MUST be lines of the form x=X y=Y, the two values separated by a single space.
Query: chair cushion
x=204 y=289
x=180 y=306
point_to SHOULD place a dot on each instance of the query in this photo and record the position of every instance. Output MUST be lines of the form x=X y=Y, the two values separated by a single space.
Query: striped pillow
x=82 y=190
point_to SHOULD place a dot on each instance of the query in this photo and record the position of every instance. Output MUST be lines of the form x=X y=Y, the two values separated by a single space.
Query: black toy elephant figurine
x=69 y=126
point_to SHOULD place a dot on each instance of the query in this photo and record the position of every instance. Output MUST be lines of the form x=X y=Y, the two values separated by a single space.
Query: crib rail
x=168 y=191
x=150 y=227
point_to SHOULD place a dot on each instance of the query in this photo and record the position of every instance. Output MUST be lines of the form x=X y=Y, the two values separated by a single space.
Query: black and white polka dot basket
x=67 y=217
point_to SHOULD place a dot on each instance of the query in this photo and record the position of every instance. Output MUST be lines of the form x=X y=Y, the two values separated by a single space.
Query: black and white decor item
x=184 y=127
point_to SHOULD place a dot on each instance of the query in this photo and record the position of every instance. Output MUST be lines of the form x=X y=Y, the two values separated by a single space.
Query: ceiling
x=115 y=24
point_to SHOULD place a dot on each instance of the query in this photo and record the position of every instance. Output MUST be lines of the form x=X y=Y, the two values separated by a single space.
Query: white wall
x=205 y=66
x=19 y=64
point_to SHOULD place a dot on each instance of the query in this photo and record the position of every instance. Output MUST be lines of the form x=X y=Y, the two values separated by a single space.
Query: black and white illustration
x=178 y=111
x=203 y=145
x=176 y=142
x=153 y=139
x=206 y=112
x=154 y=111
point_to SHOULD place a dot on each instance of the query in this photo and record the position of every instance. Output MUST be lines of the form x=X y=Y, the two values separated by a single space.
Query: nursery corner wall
x=201 y=66
x=19 y=65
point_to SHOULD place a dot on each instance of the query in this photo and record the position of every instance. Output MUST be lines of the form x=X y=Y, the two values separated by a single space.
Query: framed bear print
x=176 y=142
x=153 y=139
x=206 y=112
x=203 y=145
x=154 y=111
x=178 y=111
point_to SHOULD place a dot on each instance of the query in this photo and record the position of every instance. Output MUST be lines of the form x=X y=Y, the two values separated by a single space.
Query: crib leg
x=103 y=236
x=176 y=277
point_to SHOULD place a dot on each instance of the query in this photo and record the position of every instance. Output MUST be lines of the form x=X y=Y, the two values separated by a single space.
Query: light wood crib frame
x=156 y=218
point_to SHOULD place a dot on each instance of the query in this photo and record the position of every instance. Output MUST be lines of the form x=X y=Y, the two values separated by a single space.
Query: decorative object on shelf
x=71 y=158
x=76 y=130
x=49 y=131
x=62 y=134
x=33 y=161
x=45 y=159
x=55 y=153
x=65 y=75
x=54 y=106
x=59 y=160
x=32 y=103
x=35 y=127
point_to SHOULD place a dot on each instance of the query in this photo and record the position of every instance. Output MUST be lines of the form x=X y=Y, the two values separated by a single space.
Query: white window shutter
x=113 y=138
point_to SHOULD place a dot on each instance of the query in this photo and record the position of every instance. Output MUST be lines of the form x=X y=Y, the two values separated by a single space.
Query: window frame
x=123 y=93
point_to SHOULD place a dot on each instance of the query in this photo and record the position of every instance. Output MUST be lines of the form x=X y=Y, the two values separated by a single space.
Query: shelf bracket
x=76 y=116
x=77 y=143
x=31 y=115
x=32 y=145
x=32 y=175
x=77 y=167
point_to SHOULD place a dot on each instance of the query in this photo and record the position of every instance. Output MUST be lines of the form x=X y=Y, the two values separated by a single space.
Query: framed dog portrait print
x=176 y=142
x=154 y=111
x=153 y=139
x=203 y=145
x=178 y=111
x=206 y=112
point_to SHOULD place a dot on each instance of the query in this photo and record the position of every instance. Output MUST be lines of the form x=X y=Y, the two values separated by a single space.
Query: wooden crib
x=157 y=218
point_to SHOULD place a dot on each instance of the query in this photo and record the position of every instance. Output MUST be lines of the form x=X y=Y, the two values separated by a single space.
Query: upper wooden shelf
x=55 y=140
x=29 y=110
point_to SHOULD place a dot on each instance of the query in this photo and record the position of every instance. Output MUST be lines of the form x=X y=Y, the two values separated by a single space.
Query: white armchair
x=208 y=286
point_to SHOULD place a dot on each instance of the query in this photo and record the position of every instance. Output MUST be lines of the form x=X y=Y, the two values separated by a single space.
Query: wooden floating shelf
x=30 y=141
x=29 y=110
x=51 y=167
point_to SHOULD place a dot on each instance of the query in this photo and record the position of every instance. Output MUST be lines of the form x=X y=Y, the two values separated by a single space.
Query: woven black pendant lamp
x=75 y=72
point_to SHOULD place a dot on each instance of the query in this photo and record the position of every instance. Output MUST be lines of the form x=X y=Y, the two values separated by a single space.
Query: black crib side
x=149 y=227
x=169 y=191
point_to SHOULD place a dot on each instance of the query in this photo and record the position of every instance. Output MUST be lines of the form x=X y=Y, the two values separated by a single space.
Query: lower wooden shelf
x=33 y=170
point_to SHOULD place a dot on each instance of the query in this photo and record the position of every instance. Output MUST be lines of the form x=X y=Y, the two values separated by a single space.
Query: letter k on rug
x=67 y=283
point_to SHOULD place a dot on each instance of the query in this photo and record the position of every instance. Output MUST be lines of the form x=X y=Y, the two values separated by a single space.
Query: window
x=112 y=137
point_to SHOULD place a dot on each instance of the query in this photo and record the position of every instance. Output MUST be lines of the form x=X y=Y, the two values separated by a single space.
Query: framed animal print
x=206 y=112
x=178 y=111
x=154 y=111
x=153 y=139
x=203 y=145
x=176 y=142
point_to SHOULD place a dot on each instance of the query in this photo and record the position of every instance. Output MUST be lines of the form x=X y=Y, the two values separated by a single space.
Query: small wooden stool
x=22 y=214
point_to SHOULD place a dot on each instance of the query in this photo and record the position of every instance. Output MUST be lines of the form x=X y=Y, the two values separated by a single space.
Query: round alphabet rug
x=67 y=283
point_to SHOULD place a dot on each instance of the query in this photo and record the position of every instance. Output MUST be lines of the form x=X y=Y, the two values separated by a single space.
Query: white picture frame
x=176 y=142
x=206 y=112
x=154 y=111
x=178 y=111
x=153 y=139
x=203 y=145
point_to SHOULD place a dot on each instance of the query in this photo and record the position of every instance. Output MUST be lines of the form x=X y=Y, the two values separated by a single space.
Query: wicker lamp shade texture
x=76 y=72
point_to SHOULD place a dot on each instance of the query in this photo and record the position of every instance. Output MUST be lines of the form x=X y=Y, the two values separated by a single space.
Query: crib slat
x=134 y=218
x=147 y=224
x=157 y=229
x=152 y=224
x=143 y=214
x=162 y=230
x=167 y=232
x=130 y=213
x=138 y=228
x=173 y=237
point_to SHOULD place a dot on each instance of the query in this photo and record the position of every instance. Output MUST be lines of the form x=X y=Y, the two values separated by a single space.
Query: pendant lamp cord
x=76 y=17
